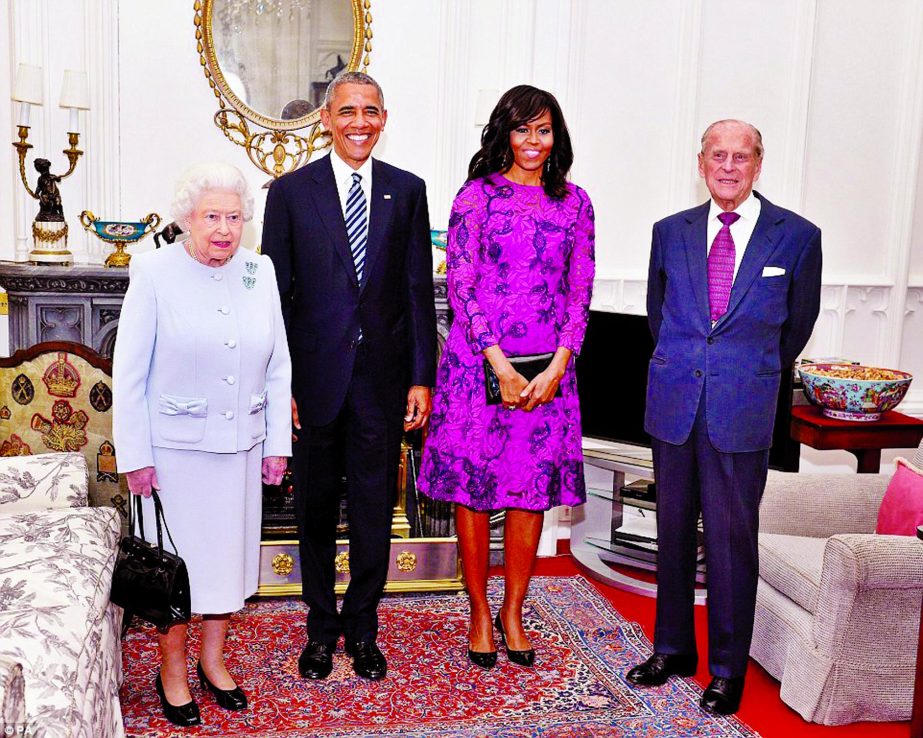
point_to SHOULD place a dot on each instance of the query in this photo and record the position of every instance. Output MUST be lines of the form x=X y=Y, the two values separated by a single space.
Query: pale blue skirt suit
x=202 y=392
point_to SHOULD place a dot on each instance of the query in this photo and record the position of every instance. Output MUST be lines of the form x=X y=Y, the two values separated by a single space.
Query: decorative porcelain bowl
x=440 y=241
x=119 y=233
x=851 y=392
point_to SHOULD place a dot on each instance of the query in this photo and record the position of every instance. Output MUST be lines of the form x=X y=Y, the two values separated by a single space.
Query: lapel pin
x=387 y=197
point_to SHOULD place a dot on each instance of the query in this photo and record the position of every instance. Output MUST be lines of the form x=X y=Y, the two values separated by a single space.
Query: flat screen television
x=612 y=382
x=612 y=377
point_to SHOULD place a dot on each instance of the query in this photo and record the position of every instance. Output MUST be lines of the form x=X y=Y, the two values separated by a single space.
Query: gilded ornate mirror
x=269 y=63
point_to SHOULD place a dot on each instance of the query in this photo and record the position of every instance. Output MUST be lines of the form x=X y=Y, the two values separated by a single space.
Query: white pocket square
x=773 y=271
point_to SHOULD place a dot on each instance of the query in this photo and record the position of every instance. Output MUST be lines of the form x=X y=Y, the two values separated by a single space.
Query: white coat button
x=229 y=415
x=230 y=379
x=224 y=310
x=218 y=277
x=231 y=343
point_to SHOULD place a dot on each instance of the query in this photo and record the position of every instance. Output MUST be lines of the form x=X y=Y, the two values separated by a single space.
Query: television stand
x=597 y=544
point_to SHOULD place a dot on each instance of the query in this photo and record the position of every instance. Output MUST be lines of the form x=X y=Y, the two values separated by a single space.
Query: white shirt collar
x=749 y=209
x=343 y=173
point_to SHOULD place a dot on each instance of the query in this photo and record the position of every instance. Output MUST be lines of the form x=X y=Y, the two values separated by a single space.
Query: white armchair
x=838 y=607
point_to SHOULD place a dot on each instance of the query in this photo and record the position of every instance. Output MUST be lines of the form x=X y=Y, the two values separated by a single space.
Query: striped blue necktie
x=357 y=223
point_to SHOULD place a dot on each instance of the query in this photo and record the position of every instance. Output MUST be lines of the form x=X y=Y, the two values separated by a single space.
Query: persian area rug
x=577 y=688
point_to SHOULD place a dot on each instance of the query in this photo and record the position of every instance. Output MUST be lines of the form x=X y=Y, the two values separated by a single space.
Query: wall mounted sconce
x=49 y=229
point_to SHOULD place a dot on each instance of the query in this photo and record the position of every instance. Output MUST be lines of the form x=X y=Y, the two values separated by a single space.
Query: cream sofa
x=837 y=606
x=60 y=658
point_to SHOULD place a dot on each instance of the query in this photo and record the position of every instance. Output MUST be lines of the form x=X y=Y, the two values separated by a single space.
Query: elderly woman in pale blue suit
x=202 y=383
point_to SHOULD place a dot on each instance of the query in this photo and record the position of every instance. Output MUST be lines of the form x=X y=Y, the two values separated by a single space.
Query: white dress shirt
x=749 y=212
x=343 y=174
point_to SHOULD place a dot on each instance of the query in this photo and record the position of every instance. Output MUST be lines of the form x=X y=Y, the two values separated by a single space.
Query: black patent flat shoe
x=185 y=716
x=484 y=659
x=229 y=699
x=521 y=658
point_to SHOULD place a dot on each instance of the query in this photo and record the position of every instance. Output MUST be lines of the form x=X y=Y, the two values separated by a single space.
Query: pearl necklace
x=193 y=252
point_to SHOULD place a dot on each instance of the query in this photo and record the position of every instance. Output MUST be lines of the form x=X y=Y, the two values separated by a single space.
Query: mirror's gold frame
x=277 y=149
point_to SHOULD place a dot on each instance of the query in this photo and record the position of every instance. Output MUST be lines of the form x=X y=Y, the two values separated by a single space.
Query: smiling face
x=215 y=227
x=355 y=119
x=531 y=144
x=730 y=164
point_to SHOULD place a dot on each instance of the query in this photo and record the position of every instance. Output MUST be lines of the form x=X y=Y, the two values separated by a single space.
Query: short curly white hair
x=202 y=178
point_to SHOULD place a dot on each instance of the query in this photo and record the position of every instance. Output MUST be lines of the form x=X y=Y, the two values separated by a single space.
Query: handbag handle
x=159 y=519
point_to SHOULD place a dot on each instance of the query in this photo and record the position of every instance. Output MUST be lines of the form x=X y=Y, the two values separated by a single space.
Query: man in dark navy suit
x=349 y=237
x=733 y=293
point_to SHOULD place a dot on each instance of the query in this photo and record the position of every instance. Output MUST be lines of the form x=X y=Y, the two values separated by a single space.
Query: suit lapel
x=327 y=201
x=695 y=236
x=380 y=211
x=762 y=243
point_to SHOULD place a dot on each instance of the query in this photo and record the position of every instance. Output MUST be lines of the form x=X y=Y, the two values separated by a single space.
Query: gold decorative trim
x=341 y=562
x=406 y=561
x=445 y=584
x=277 y=150
x=283 y=564
x=42 y=235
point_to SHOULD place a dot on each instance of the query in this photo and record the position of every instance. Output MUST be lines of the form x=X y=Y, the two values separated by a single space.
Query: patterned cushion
x=42 y=482
x=792 y=565
x=56 y=620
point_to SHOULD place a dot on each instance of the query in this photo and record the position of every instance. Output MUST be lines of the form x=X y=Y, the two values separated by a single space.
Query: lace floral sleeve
x=463 y=254
x=580 y=273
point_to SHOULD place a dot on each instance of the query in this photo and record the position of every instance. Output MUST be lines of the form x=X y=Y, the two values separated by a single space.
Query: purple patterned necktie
x=721 y=267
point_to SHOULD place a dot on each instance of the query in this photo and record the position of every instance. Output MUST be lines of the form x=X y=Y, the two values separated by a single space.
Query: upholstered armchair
x=838 y=607
x=60 y=654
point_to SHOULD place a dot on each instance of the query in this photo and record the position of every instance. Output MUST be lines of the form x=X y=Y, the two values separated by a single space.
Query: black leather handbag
x=529 y=366
x=149 y=582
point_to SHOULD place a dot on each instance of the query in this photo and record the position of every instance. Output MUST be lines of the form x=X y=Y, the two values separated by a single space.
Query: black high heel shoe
x=229 y=699
x=185 y=716
x=522 y=658
x=484 y=659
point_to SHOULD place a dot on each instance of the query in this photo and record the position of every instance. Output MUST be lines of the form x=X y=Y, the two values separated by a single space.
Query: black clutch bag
x=529 y=366
x=148 y=581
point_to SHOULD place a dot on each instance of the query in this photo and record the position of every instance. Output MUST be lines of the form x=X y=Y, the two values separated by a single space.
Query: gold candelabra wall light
x=49 y=229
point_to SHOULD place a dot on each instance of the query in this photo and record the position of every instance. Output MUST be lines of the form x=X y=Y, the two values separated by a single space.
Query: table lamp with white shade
x=49 y=229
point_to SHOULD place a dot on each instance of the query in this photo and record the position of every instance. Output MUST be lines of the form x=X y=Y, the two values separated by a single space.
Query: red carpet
x=761 y=708
x=577 y=688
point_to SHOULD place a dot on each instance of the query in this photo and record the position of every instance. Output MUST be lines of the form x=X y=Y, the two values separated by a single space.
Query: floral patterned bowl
x=851 y=392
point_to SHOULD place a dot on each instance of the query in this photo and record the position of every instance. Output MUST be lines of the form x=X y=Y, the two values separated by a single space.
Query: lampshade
x=75 y=92
x=484 y=106
x=28 y=86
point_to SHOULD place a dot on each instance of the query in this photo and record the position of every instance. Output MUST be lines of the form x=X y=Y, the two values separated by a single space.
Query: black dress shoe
x=229 y=699
x=185 y=716
x=316 y=660
x=660 y=667
x=484 y=659
x=522 y=658
x=368 y=661
x=722 y=696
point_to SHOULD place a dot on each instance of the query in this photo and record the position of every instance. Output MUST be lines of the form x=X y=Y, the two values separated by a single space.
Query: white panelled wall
x=836 y=87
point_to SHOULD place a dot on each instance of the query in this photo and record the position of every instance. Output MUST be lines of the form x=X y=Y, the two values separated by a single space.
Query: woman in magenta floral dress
x=520 y=276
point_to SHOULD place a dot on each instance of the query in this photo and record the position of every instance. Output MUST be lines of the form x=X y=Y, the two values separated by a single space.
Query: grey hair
x=201 y=178
x=757 y=136
x=352 y=78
